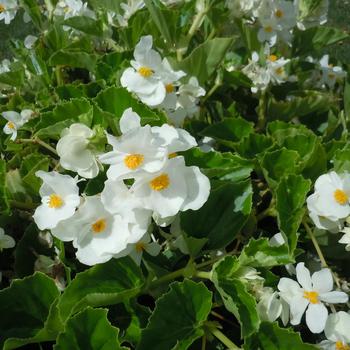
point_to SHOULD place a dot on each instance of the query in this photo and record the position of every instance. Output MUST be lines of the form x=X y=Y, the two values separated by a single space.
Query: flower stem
x=222 y=337
x=262 y=110
x=204 y=342
x=315 y=243
x=203 y=274
x=39 y=142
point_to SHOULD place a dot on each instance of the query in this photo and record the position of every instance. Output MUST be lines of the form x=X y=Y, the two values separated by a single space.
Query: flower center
x=340 y=196
x=140 y=247
x=2 y=8
x=169 y=88
x=133 y=161
x=273 y=58
x=172 y=155
x=279 y=13
x=160 y=182
x=279 y=71
x=268 y=29
x=99 y=226
x=11 y=125
x=312 y=297
x=339 y=345
x=145 y=72
x=331 y=76
x=55 y=201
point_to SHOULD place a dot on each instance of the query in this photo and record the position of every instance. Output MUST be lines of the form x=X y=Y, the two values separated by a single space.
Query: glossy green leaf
x=77 y=59
x=89 y=330
x=272 y=337
x=290 y=199
x=235 y=295
x=25 y=310
x=222 y=217
x=103 y=284
x=177 y=318
x=341 y=160
x=85 y=24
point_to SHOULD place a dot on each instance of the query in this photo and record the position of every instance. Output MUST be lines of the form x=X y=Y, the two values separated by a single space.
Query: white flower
x=276 y=69
x=74 y=153
x=95 y=232
x=6 y=241
x=71 y=8
x=346 y=238
x=242 y=7
x=172 y=189
x=308 y=295
x=138 y=150
x=8 y=10
x=129 y=8
x=29 y=41
x=329 y=204
x=15 y=121
x=330 y=74
x=59 y=198
x=337 y=332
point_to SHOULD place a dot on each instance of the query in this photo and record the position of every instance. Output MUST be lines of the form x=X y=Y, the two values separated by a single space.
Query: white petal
x=129 y=120
x=297 y=306
x=316 y=317
x=322 y=281
x=153 y=248
x=303 y=276
x=334 y=297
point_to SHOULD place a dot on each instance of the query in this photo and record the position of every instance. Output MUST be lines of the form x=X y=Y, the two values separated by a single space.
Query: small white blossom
x=330 y=74
x=71 y=8
x=8 y=10
x=15 y=120
x=309 y=293
x=346 y=238
x=129 y=8
x=59 y=199
x=29 y=41
x=74 y=152
x=6 y=241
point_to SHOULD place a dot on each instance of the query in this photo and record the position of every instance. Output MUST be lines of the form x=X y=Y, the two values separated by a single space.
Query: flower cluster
x=156 y=84
x=146 y=178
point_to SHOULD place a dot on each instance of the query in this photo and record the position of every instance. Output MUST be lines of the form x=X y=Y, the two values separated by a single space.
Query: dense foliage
x=174 y=175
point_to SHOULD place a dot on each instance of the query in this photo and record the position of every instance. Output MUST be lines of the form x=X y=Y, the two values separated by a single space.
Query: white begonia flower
x=337 y=332
x=329 y=205
x=29 y=41
x=96 y=233
x=59 y=198
x=346 y=238
x=138 y=150
x=135 y=250
x=144 y=77
x=285 y=13
x=8 y=10
x=6 y=241
x=71 y=8
x=15 y=121
x=330 y=74
x=308 y=295
x=174 y=188
x=130 y=7
x=74 y=152
x=268 y=31
x=270 y=307
x=276 y=69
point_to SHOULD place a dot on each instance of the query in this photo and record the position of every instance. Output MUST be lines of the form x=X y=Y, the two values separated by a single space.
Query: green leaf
x=4 y=204
x=205 y=58
x=272 y=337
x=230 y=129
x=278 y=163
x=225 y=166
x=290 y=199
x=13 y=78
x=116 y=100
x=25 y=310
x=33 y=10
x=308 y=7
x=178 y=317
x=77 y=59
x=253 y=144
x=315 y=39
x=223 y=215
x=235 y=295
x=103 y=284
x=89 y=330
x=259 y=253
x=347 y=98
x=341 y=160
x=85 y=24
x=249 y=35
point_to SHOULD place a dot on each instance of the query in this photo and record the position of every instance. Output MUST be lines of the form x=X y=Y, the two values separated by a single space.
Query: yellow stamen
x=279 y=13
x=279 y=70
x=268 y=29
x=11 y=125
x=99 y=226
x=273 y=58
x=312 y=297
x=169 y=88
x=133 y=161
x=2 y=8
x=55 y=201
x=172 y=155
x=146 y=72
x=160 y=182
x=340 y=197
x=339 y=345
x=140 y=247
x=331 y=76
